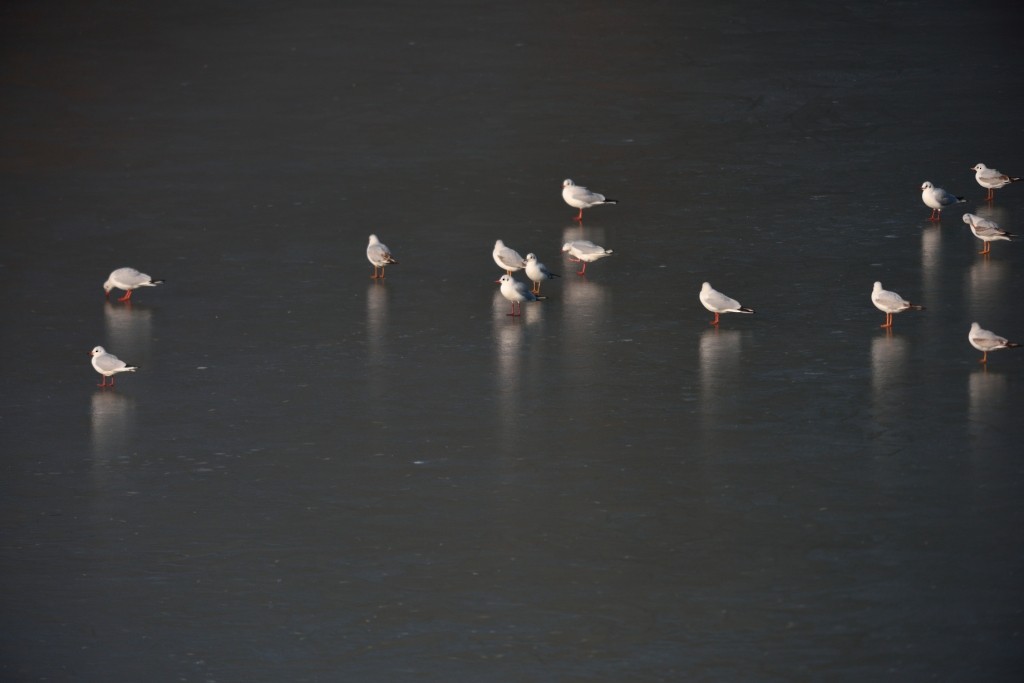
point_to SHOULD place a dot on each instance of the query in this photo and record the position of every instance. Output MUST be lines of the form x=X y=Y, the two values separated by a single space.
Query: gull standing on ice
x=508 y=259
x=108 y=365
x=937 y=199
x=538 y=272
x=517 y=293
x=890 y=302
x=987 y=231
x=986 y=341
x=585 y=251
x=579 y=197
x=379 y=255
x=717 y=303
x=128 y=279
x=991 y=179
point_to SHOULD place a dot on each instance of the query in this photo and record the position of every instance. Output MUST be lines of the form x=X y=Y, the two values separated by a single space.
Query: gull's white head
x=504 y=278
x=531 y=257
x=705 y=287
x=567 y=246
x=567 y=183
x=927 y=185
x=978 y=168
x=99 y=350
x=108 y=285
x=374 y=240
x=969 y=218
x=878 y=287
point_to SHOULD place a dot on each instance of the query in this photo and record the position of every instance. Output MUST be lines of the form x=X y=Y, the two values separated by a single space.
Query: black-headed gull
x=579 y=197
x=991 y=179
x=987 y=231
x=128 y=279
x=538 y=272
x=508 y=259
x=718 y=303
x=986 y=341
x=937 y=199
x=379 y=255
x=517 y=293
x=108 y=365
x=585 y=251
x=890 y=302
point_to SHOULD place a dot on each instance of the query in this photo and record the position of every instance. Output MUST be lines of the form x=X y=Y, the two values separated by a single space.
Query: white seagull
x=538 y=272
x=579 y=197
x=991 y=179
x=717 y=303
x=517 y=293
x=890 y=302
x=108 y=365
x=128 y=279
x=508 y=259
x=987 y=231
x=936 y=199
x=986 y=341
x=379 y=255
x=585 y=251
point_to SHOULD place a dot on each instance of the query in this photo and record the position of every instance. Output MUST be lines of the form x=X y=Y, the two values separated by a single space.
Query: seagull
x=128 y=279
x=508 y=259
x=986 y=341
x=890 y=302
x=379 y=255
x=987 y=231
x=579 y=197
x=991 y=179
x=517 y=293
x=538 y=272
x=717 y=303
x=937 y=199
x=108 y=365
x=586 y=252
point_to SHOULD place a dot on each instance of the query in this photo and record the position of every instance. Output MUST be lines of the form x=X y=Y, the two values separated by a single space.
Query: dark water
x=316 y=477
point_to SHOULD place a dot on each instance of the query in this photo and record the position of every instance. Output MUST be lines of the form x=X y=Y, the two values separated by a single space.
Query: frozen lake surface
x=315 y=476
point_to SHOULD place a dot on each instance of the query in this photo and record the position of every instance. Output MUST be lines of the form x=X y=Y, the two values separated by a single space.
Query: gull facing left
x=128 y=280
x=584 y=251
x=507 y=258
x=517 y=293
x=717 y=303
x=937 y=199
x=538 y=272
x=987 y=231
x=991 y=179
x=890 y=303
x=579 y=197
x=108 y=365
x=986 y=341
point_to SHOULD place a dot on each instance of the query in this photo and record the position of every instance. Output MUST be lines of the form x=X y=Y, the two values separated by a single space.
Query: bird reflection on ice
x=719 y=369
x=376 y=337
x=129 y=330
x=985 y=281
x=986 y=393
x=888 y=358
x=113 y=423
x=931 y=261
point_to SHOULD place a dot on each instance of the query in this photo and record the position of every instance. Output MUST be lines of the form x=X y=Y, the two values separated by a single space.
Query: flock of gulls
x=584 y=251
